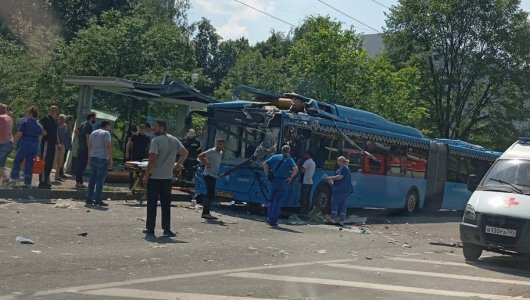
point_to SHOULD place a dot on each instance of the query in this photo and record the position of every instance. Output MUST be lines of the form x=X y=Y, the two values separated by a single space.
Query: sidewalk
x=67 y=190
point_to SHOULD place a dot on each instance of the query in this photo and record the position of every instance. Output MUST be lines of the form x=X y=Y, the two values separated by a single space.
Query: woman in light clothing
x=62 y=134
x=342 y=189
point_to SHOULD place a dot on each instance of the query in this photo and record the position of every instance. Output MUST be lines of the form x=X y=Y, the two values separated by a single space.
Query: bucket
x=38 y=165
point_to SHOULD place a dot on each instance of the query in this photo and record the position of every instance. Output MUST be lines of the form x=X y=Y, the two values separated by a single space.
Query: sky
x=234 y=20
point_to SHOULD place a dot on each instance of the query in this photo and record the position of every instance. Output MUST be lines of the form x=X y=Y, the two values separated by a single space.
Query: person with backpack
x=284 y=170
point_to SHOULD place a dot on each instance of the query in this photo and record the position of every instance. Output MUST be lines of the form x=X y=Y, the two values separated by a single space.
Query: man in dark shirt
x=48 y=144
x=138 y=145
x=137 y=148
x=83 y=132
x=192 y=144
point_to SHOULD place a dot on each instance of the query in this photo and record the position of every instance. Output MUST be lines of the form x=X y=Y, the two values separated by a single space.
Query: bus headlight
x=470 y=216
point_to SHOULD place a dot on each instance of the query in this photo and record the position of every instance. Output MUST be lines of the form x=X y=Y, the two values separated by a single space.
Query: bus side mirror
x=472 y=182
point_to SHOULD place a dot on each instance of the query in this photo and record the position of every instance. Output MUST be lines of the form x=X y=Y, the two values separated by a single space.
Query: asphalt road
x=240 y=257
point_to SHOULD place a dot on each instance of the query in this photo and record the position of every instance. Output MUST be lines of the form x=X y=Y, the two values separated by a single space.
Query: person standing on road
x=6 y=140
x=30 y=135
x=60 y=149
x=100 y=154
x=83 y=133
x=284 y=169
x=192 y=144
x=159 y=174
x=308 y=171
x=48 y=145
x=67 y=142
x=342 y=189
x=211 y=159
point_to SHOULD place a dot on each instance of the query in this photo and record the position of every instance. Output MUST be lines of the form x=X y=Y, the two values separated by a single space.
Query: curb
x=31 y=194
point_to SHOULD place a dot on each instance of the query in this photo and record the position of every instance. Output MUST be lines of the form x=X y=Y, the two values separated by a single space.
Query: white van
x=497 y=216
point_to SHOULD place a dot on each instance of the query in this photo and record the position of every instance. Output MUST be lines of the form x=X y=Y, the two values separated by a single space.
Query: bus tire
x=322 y=199
x=412 y=202
x=471 y=252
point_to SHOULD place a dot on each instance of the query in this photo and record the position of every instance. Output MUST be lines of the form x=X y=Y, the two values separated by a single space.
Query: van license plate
x=501 y=231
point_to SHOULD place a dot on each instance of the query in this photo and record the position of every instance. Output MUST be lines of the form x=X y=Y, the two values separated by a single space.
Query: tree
x=76 y=14
x=254 y=70
x=468 y=52
x=206 y=43
x=324 y=59
x=136 y=47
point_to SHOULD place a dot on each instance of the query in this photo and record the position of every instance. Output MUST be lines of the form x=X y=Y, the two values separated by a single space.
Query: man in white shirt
x=308 y=171
x=100 y=155
x=211 y=159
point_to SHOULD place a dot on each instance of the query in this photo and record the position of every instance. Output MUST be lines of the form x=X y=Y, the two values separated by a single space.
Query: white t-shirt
x=309 y=167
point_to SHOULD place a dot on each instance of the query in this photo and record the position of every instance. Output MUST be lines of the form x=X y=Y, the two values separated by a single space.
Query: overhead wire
x=265 y=13
x=339 y=11
x=377 y=2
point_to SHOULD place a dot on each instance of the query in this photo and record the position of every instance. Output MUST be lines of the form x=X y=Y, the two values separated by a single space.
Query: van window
x=512 y=171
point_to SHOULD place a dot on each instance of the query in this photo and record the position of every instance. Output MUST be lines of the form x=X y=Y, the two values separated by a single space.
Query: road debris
x=36 y=251
x=353 y=219
x=321 y=251
x=295 y=220
x=158 y=246
x=83 y=234
x=24 y=240
x=406 y=245
x=368 y=258
x=454 y=244
x=63 y=203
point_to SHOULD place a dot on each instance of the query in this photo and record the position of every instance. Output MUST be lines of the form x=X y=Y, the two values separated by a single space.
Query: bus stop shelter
x=168 y=91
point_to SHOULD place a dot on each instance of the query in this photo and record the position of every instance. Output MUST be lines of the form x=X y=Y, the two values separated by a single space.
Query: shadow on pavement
x=517 y=266
x=279 y=228
x=162 y=240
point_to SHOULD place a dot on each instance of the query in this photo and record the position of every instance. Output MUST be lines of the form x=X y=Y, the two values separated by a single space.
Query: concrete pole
x=84 y=106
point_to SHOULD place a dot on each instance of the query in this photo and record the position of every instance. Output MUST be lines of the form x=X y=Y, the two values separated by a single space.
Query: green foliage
x=468 y=53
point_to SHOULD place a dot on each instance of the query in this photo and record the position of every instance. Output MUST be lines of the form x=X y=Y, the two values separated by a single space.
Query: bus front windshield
x=243 y=142
x=511 y=174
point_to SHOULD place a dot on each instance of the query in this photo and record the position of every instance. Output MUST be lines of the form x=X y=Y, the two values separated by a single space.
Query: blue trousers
x=27 y=151
x=99 y=167
x=280 y=191
x=338 y=205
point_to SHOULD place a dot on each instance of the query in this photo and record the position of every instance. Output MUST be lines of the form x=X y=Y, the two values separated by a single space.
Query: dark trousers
x=158 y=189
x=190 y=165
x=82 y=161
x=26 y=152
x=304 y=199
x=48 y=152
x=210 y=194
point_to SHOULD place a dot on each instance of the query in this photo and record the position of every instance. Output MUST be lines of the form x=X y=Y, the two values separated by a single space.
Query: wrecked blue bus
x=392 y=166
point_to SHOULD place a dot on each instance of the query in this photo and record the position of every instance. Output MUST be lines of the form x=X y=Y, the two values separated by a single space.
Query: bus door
x=436 y=175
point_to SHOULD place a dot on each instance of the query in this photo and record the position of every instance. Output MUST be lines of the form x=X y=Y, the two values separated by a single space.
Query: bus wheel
x=471 y=252
x=322 y=199
x=412 y=202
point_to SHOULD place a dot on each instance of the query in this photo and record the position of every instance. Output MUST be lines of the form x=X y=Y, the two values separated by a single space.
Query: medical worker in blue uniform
x=30 y=135
x=284 y=169
x=342 y=189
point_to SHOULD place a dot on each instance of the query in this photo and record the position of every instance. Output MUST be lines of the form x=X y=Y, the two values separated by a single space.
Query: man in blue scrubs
x=284 y=169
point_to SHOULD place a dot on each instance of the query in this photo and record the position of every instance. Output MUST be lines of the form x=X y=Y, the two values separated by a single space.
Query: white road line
x=179 y=276
x=143 y=294
x=432 y=262
x=372 y=286
x=430 y=274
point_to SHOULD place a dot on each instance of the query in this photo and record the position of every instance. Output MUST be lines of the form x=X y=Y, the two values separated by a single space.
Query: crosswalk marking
x=143 y=294
x=371 y=286
x=432 y=262
x=429 y=274
x=180 y=276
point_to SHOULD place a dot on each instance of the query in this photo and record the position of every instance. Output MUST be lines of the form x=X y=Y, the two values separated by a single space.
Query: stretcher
x=137 y=190
x=137 y=170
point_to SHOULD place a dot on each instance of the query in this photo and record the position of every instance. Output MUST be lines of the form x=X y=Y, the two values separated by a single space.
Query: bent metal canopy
x=172 y=92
